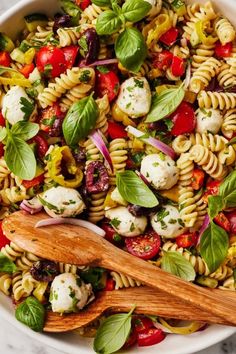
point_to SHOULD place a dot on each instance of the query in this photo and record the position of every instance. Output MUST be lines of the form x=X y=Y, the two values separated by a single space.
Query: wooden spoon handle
x=148 y=302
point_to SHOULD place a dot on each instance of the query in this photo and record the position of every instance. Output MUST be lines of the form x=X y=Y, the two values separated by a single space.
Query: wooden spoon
x=77 y=245
x=148 y=301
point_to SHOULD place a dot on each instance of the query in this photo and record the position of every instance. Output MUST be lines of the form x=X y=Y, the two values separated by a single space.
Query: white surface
x=13 y=341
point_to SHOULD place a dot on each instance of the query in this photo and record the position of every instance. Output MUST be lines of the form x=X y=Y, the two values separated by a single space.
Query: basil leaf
x=175 y=263
x=94 y=276
x=27 y=107
x=102 y=3
x=165 y=103
x=134 y=190
x=113 y=333
x=228 y=190
x=131 y=49
x=214 y=245
x=108 y=22
x=3 y=133
x=20 y=158
x=215 y=205
x=25 y=130
x=32 y=313
x=6 y=265
x=135 y=11
x=80 y=120
x=70 y=8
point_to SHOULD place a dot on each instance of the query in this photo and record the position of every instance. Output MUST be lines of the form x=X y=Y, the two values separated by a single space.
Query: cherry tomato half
x=34 y=182
x=3 y=240
x=177 y=66
x=111 y=235
x=141 y=323
x=70 y=54
x=150 y=337
x=83 y=4
x=163 y=60
x=49 y=115
x=223 y=51
x=132 y=339
x=212 y=188
x=2 y=120
x=110 y=285
x=27 y=69
x=232 y=220
x=107 y=83
x=184 y=119
x=116 y=131
x=145 y=246
x=51 y=61
x=197 y=179
x=170 y=36
x=42 y=145
x=187 y=240
x=223 y=222
x=5 y=59
x=2 y=149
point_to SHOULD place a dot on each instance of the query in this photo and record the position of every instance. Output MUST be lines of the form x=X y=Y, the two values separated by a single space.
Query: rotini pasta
x=124 y=281
x=68 y=36
x=96 y=207
x=5 y=283
x=214 y=143
x=90 y=14
x=229 y=124
x=118 y=152
x=202 y=76
x=221 y=100
x=12 y=251
x=225 y=31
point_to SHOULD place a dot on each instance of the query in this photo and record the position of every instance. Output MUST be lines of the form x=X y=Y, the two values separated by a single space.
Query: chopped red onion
x=204 y=226
x=32 y=206
x=100 y=62
x=98 y=141
x=71 y=221
x=152 y=141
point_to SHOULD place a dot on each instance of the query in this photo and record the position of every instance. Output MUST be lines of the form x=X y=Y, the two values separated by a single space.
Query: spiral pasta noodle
x=201 y=208
x=104 y=110
x=96 y=207
x=26 y=260
x=90 y=14
x=221 y=100
x=68 y=36
x=18 y=290
x=34 y=287
x=5 y=283
x=92 y=152
x=202 y=76
x=228 y=284
x=202 y=53
x=225 y=77
x=181 y=144
x=229 y=124
x=186 y=167
x=75 y=94
x=119 y=155
x=12 y=251
x=227 y=156
x=214 y=143
x=67 y=268
x=124 y=281
x=13 y=195
x=225 y=31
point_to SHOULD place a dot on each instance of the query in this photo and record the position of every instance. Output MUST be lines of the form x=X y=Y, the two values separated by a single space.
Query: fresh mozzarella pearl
x=62 y=202
x=117 y=197
x=135 y=97
x=160 y=170
x=156 y=7
x=167 y=222
x=209 y=120
x=11 y=105
x=125 y=223
x=69 y=293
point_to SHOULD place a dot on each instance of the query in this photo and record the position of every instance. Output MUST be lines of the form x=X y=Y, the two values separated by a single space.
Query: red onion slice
x=101 y=62
x=204 y=226
x=98 y=141
x=32 y=206
x=152 y=141
x=71 y=221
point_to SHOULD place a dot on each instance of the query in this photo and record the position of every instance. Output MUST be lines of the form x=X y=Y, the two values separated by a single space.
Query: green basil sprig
x=175 y=263
x=214 y=245
x=109 y=22
x=134 y=10
x=80 y=120
x=18 y=155
x=165 y=103
x=102 y=3
x=134 y=190
x=6 y=265
x=215 y=205
x=32 y=313
x=113 y=333
x=70 y=8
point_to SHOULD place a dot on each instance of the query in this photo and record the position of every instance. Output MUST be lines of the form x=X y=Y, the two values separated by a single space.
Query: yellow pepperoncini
x=109 y=203
x=160 y=25
x=199 y=28
x=59 y=156
x=188 y=329
x=119 y=116
x=12 y=77
x=29 y=55
x=172 y=194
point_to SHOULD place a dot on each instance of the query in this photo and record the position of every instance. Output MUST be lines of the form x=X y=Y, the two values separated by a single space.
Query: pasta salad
x=120 y=116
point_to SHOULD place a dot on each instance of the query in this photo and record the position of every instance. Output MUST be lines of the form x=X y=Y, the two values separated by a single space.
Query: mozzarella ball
x=156 y=7
x=208 y=120
x=125 y=223
x=135 y=97
x=160 y=171
x=117 y=197
x=69 y=293
x=62 y=202
x=11 y=105
x=167 y=222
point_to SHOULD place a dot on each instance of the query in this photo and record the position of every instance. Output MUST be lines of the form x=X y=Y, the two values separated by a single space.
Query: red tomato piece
x=111 y=234
x=1 y=150
x=197 y=179
x=184 y=119
x=107 y=84
x=145 y=246
x=27 y=70
x=34 y=182
x=5 y=59
x=223 y=221
x=51 y=61
x=132 y=339
x=110 y=285
x=3 y=240
x=141 y=323
x=116 y=131
x=212 y=188
x=232 y=219
x=150 y=337
x=187 y=240
x=177 y=66
x=49 y=115
x=83 y=4
x=163 y=60
x=42 y=145
x=223 y=51
x=2 y=120
x=70 y=54
x=170 y=36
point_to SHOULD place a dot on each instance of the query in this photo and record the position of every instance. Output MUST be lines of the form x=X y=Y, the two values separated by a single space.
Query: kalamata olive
x=79 y=155
x=61 y=21
x=137 y=210
x=97 y=179
x=56 y=129
x=93 y=46
x=44 y=270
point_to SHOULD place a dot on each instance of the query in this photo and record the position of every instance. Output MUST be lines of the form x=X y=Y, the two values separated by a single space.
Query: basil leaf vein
x=32 y=313
x=6 y=264
x=134 y=10
x=227 y=190
x=175 y=263
x=108 y=22
x=134 y=190
x=165 y=103
x=215 y=205
x=25 y=130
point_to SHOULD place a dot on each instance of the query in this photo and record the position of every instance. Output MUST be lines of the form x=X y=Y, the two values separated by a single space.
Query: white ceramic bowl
x=11 y=22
